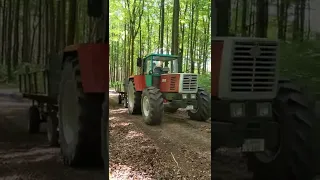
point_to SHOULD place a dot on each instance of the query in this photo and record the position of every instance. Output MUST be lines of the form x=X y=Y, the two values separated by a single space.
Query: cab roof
x=161 y=57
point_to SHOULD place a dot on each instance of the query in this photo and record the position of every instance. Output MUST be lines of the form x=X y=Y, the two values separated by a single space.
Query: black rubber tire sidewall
x=285 y=167
x=52 y=133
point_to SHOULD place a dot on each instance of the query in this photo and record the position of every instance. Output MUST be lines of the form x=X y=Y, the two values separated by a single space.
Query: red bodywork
x=94 y=65
x=169 y=83
x=139 y=82
x=216 y=57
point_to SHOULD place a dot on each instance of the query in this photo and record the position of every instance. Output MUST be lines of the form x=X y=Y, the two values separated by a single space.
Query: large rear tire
x=202 y=112
x=105 y=138
x=34 y=120
x=292 y=159
x=152 y=106
x=134 y=99
x=79 y=119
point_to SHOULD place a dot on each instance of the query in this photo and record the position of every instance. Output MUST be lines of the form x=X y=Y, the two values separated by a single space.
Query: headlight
x=193 y=96
x=264 y=109
x=184 y=96
x=237 y=109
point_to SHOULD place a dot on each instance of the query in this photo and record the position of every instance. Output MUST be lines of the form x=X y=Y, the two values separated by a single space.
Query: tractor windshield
x=161 y=63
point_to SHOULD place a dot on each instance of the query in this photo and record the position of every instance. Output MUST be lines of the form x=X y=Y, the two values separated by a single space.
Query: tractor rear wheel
x=292 y=159
x=105 y=137
x=34 y=120
x=52 y=130
x=152 y=106
x=202 y=112
x=79 y=119
x=134 y=99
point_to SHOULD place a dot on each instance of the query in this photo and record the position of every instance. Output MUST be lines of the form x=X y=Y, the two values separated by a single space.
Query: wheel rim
x=146 y=106
x=131 y=96
x=270 y=155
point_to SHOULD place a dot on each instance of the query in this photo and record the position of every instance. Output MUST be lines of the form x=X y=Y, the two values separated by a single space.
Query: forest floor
x=177 y=149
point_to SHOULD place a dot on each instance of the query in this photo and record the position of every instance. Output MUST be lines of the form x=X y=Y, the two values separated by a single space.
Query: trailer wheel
x=134 y=99
x=170 y=109
x=119 y=99
x=292 y=159
x=34 y=120
x=52 y=130
x=125 y=101
x=79 y=120
x=202 y=112
x=152 y=106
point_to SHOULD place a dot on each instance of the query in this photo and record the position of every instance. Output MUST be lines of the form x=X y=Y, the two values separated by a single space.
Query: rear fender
x=94 y=65
x=139 y=82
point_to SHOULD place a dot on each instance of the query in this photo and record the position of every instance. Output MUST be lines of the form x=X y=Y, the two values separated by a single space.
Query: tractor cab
x=157 y=64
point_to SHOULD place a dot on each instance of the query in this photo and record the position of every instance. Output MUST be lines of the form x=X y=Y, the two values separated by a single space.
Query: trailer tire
x=152 y=106
x=170 y=109
x=202 y=113
x=52 y=130
x=293 y=157
x=125 y=101
x=79 y=120
x=134 y=99
x=34 y=120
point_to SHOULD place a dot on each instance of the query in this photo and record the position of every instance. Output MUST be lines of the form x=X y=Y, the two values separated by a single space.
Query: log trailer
x=69 y=93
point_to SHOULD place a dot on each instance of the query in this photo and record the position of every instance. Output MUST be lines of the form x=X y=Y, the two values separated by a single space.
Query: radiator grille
x=173 y=81
x=189 y=82
x=254 y=67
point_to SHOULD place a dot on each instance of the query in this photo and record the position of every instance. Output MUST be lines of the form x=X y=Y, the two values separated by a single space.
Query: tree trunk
x=244 y=18
x=161 y=26
x=262 y=18
x=16 y=49
x=72 y=21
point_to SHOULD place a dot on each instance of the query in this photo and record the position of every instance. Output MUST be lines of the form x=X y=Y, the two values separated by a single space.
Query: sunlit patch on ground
x=133 y=134
x=121 y=172
x=120 y=110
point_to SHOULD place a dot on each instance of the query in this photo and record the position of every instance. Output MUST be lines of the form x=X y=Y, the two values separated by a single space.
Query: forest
x=33 y=30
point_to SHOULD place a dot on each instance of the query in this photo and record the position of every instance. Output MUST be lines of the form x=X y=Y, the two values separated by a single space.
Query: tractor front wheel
x=134 y=99
x=292 y=159
x=202 y=112
x=152 y=106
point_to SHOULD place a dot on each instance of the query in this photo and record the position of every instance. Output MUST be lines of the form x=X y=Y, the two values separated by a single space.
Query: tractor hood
x=179 y=83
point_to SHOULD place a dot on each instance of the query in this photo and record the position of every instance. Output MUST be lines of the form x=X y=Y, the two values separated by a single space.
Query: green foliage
x=205 y=81
x=301 y=62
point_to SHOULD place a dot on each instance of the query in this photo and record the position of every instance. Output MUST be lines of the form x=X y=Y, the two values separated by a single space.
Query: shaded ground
x=27 y=157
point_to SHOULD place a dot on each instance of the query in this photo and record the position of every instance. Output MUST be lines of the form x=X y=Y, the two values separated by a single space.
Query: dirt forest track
x=177 y=149
x=28 y=157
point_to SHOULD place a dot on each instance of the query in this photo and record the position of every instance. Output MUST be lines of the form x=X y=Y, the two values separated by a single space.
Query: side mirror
x=95 y=8
x=139 y=62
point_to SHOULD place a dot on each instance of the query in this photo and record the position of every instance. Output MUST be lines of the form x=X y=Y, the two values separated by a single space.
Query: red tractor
x=271 y=119
x=70 y=95
x=159 y=87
